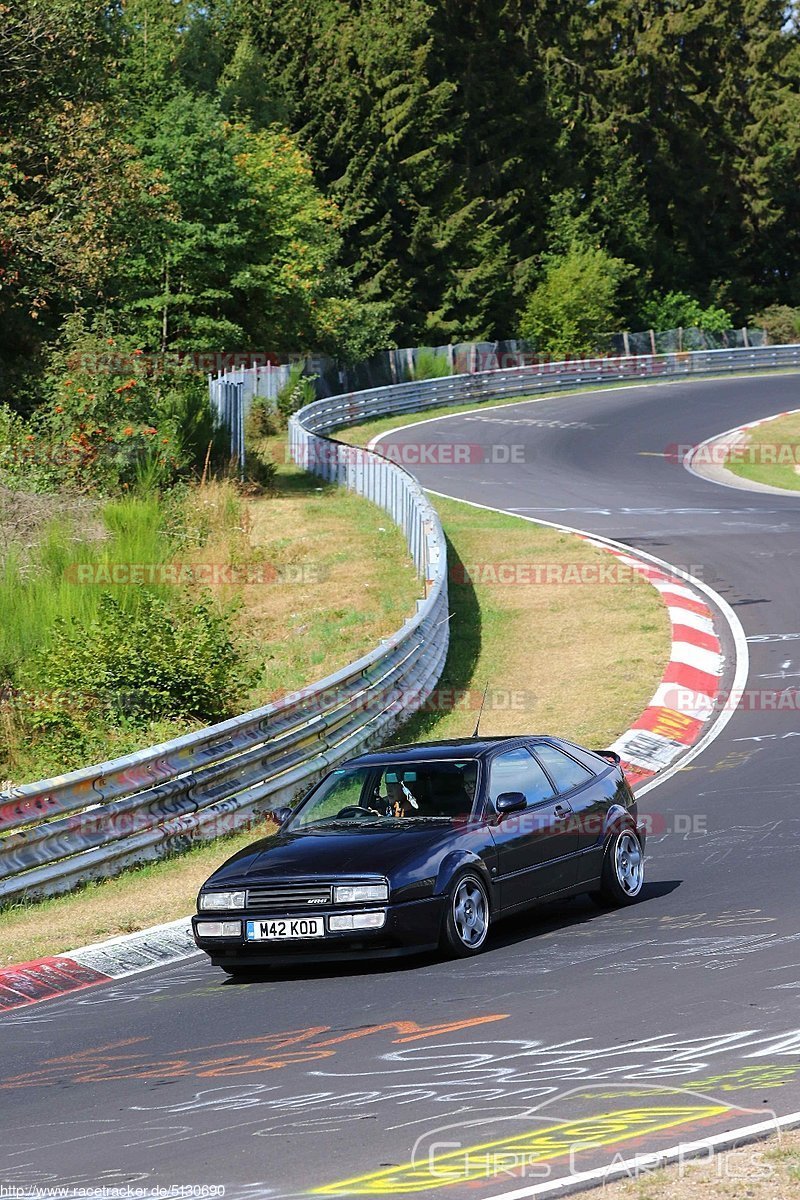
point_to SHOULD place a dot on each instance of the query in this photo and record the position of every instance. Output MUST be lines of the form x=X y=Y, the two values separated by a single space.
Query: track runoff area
x=580 y=1044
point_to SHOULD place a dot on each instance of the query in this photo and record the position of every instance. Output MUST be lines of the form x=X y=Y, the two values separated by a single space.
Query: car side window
x=564 y=771
x=518 y=771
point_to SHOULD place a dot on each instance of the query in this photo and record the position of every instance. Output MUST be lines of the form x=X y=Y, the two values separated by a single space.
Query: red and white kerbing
x=687 y=696
x=102 y=962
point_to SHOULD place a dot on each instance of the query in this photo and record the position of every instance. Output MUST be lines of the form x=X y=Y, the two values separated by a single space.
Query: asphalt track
x=577 y=1035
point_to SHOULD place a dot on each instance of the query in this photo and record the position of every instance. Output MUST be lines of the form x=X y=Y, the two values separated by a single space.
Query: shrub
x=170 y=658
x=262 y=419
x=679 y=310
x=576 y=302
x=780 y=323
x=115 y=417
x=430 y=365
x=259 y=468
x=295 y=393
x=17 y=457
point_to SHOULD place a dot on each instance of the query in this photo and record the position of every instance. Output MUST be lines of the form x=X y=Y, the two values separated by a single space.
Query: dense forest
x=345 y=175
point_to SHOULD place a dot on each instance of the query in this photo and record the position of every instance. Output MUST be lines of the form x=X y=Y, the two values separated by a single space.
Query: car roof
x=477 y=747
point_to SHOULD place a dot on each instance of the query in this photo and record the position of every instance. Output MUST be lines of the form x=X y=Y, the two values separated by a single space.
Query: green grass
x=42 y=588
x=773 y=451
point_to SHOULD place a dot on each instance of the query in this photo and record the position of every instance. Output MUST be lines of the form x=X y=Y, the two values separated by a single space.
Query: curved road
x=578 y=1034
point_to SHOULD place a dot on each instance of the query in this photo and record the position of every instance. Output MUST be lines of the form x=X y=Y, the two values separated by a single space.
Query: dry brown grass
x=576 y=659
x=331 y=576
x=24 y=515
x=767 y=1170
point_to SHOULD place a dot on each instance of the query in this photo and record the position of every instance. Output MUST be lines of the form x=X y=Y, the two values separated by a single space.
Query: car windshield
x=393 y=794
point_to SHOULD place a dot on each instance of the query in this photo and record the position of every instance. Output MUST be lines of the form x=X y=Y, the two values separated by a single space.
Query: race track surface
x=578 y=1034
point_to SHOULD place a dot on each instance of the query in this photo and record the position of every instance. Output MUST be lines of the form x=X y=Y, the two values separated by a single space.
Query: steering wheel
x=354 y=810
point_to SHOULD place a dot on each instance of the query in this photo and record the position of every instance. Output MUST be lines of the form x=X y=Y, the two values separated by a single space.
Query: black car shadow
x=355 y=968
x=566 y=914
x=509 y=931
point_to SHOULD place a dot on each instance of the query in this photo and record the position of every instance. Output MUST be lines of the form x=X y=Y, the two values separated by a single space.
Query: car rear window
x=565 y=772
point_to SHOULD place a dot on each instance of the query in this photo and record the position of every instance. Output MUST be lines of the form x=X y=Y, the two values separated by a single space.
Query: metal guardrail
x=229 y=405
x=89 y=823
x=352 y=408
x=94 y=822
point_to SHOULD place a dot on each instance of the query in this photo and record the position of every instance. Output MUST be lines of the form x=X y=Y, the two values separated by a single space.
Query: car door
x=584 y=794
x=536 y=846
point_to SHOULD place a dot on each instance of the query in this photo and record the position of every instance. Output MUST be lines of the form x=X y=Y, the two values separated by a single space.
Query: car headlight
x=360 y=893
x=352 y=921
x=221 y=900
x=224 y=929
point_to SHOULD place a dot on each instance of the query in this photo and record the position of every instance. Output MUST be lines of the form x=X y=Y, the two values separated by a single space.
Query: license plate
x=285 y=927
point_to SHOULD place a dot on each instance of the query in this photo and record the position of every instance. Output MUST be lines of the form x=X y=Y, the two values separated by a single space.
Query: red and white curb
x=102 y=962
x=677 y=723
x=686 y=698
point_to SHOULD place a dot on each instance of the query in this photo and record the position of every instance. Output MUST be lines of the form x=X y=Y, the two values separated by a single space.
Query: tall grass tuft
x=430 y=365
x=45 y=587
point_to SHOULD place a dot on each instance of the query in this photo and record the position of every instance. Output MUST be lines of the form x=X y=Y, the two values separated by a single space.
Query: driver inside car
x=399 y=801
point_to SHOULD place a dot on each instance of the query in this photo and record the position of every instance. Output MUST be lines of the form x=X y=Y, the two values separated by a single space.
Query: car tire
x=623 y=871
x=467 y=917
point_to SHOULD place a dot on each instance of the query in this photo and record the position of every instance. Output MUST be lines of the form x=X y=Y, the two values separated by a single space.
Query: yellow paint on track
x=512 y=1156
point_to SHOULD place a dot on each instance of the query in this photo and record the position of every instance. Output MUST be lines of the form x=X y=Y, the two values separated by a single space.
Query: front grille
x=287 y=896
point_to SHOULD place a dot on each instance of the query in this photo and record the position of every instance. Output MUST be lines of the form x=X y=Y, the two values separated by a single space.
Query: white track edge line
x=718 y=437
x=741 y=669
x=125 y=939
x=180 y=956
x=579 y=391
x=661 y=1158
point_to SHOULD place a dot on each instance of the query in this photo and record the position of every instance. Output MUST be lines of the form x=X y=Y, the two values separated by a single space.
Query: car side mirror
x=281 y=815
x=510 y=802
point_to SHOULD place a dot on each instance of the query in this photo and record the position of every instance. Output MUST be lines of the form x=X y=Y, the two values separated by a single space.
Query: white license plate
x=285 y=927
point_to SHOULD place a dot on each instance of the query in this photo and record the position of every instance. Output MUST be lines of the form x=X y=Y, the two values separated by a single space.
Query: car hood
x=361 y=851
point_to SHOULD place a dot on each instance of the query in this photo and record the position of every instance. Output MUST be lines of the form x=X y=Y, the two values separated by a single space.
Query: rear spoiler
x=611 y=755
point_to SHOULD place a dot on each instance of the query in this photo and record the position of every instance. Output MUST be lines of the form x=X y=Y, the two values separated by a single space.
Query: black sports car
x=423 y=846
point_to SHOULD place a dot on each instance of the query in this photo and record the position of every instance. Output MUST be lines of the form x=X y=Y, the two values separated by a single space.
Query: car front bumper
x=409 y=927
